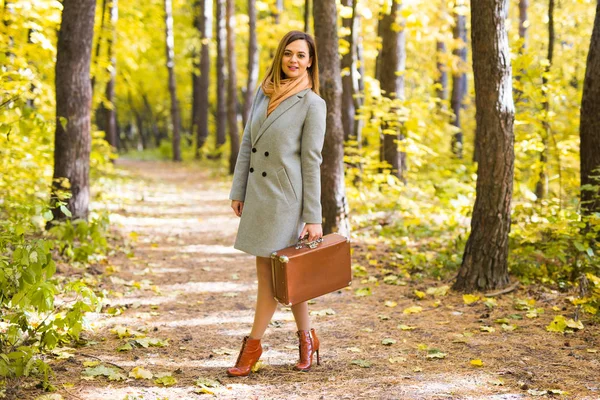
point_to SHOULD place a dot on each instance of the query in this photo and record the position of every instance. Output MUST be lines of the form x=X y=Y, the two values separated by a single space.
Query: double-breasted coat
x=277 y=173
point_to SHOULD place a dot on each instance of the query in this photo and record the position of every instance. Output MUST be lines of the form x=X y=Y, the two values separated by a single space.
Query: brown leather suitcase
x=301 y=274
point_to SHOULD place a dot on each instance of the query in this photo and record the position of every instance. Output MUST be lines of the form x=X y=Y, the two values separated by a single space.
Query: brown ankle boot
x=249 y=355
x=309 y=344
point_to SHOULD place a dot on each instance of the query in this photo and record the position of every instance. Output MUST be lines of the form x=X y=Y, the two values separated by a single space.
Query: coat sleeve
x=242 y=165
x=313 y=135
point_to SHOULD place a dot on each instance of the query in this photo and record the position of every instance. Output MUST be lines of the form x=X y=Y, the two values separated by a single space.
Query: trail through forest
x=182 y=300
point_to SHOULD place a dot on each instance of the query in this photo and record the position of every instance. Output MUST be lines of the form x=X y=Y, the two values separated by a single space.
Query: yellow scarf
x=287 y=87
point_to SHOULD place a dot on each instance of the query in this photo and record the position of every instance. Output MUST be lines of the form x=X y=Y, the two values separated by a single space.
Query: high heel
x=249 y=355
x=309 y=345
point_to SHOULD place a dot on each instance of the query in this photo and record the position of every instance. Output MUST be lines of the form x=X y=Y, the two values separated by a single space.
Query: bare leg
x=300 y=312
x=265 y=301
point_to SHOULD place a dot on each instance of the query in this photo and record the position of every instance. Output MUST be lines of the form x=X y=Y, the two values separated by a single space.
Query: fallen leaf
x=140 y=373
x=388 y=342
x=497 y=382
x=413 y=310
x=435 y=353
x=394 y=360
x=419 y=294
x=165 y=379
x=352 y=349
x=477 y=363
x=362 y=292
x=487 y=329
x=322 y=313
x=438 y=291
x=362 y=363
x=406 y=327
x=509 y=327
x=207 y=382
x=534 y=392
x=469 y=299
x=390 y=303
x=490 y=302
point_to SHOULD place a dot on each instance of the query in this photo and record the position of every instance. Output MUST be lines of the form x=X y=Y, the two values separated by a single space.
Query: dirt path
x=185 y=284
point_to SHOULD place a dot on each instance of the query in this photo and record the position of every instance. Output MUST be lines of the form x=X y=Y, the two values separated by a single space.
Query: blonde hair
x=275 y=71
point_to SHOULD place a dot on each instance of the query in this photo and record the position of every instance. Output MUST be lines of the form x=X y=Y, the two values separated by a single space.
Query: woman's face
x=296 y=58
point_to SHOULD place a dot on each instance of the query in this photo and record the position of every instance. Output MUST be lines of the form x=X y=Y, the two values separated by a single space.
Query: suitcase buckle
x=310 y=245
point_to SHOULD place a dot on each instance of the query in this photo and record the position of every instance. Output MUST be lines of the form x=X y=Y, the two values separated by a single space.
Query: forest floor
x=185 y=288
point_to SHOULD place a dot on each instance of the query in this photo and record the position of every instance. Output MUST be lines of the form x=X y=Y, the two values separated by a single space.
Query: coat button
x=251 y=169
x=266 y=154
x=254 y=149
x=264 y=174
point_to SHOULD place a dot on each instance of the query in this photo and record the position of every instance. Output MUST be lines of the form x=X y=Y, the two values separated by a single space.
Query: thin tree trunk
x=393 y=56
x=232 y=102
x=111 y=112
x=221 y=116
x=333 y=192
x=459 y=81
x=277 y=11
x=252 y=61
x=523 y=22
x=170 y=50
x=589 y=127
x=484 y=263
x=72 y=139
x=541 y=188
x=195 y=56
x=307 y=16
x=442 y=79
x=205 y=27
x=348 y=75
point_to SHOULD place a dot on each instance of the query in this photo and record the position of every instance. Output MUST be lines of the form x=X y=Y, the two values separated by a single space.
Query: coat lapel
x=281 y=108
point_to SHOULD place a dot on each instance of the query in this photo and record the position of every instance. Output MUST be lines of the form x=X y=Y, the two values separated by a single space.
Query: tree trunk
x=277 y=11
x=205 y=28
x=541 y=188
x=307 y=16
x=589 y=131
x=393 y=56
x=442 y=80
x=170 y=45
x=348 y=75
x=484 y=263
x=111 y=111
x=523 y=22
x=72 y=139
x=459 y=81
x=333 y=192
x=221 y=116
x=252 y=61
x=195 y=56
x=232 y=101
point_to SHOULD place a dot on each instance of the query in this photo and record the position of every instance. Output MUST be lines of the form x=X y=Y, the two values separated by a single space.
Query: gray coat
x=277 y=174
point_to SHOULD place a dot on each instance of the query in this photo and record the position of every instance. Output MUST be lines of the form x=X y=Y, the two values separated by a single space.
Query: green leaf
x=362 y=363
x=66 y=211
x=165 y=379
x=435 y=353
x=388 y=342
x=362 y=292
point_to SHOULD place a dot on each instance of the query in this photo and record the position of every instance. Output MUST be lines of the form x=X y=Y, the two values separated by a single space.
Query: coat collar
x=277 y=112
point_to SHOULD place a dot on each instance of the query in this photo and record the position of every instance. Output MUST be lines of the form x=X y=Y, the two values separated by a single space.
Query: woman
x=276 y=186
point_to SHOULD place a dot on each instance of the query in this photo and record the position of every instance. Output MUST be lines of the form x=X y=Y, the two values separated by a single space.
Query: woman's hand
x=315 y=231
x=237 y=206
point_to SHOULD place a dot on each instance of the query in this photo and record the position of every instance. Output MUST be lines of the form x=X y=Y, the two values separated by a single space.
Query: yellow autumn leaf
x=390 y=303
x=470 y=298
x=406 y=327
x=413 y=310
x=419 y=294
x=477 y=363
x=140 y=373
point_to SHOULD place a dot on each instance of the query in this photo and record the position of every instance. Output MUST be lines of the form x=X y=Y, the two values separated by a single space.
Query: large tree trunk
x=348 y=75
x=393 y=56
x=333 y=192
x=541 y=188
x=484 y=263
x=111 y=111
x=589 y=127
x=170 y=45
x=72 y=139
x=459 y=80
x=252 y=61
x=205 y=30
x=232 y=101
x=221 y=116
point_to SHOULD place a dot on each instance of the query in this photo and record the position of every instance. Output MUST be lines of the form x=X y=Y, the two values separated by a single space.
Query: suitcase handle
x=304 y=241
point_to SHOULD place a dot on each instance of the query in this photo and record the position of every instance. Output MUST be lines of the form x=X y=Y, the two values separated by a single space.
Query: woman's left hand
x=315 y=231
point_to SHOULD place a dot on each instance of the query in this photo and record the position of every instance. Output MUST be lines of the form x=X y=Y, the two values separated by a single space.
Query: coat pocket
x=286 y=186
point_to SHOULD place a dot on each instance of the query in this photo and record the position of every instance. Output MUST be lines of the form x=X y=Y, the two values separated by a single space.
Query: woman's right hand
x=237 y=206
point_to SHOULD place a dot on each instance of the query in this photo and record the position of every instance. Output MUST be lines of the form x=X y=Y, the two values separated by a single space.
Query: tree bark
x=393 y=56
x=72 y=138
x=442 y=80
x=252 y=61
x=333 y=192
x=459 y=81
x=111 y=111
x=523 y=22
x=205 y=30
x=277 y=11
x=307 y=16
x=98 y=43
x=589 y=131
x=232 y=101
x=170 y=45
x=484 y=263
x=541 y=188
x=221 y=117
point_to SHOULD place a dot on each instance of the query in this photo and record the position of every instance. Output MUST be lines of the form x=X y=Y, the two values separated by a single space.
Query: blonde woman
x=276 y=188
